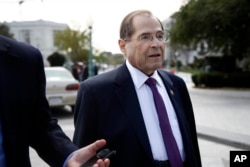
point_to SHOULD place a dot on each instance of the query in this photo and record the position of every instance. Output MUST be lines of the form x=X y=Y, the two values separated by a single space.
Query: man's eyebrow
x=144 y=33
x=160 y=31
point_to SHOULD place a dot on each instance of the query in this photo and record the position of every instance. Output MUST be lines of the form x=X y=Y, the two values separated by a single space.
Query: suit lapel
x=128 y=99
x=173 y=93
x=175 y=97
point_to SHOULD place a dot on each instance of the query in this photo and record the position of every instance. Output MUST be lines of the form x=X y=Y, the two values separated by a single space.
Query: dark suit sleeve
x=25 y=114
x=47 y=138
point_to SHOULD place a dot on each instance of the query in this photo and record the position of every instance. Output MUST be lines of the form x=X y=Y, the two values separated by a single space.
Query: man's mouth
x=154 y=55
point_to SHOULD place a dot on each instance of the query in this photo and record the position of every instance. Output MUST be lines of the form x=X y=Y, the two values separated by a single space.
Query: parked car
x=61 y=87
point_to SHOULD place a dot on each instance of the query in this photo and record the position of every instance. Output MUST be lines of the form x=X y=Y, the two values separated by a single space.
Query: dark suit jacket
x=24 y=112
x=107 y=107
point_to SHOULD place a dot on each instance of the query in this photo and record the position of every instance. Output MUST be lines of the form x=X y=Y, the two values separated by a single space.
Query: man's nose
x=155 y=41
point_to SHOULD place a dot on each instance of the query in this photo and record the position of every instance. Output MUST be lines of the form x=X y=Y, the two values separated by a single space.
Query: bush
x=220 y=79
x=56 y=59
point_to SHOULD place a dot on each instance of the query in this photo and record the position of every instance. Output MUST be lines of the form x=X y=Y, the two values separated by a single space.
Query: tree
x=101 y=58
x=5 y=30
x=74 y=42
x=222 y=24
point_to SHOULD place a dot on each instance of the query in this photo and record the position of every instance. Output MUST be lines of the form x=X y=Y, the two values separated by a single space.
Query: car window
x=57 y=74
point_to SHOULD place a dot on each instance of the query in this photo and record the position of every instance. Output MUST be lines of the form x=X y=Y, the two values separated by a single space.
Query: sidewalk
x=222 y=119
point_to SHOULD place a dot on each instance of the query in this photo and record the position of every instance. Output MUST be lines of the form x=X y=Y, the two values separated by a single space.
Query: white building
x=38 y=33
x=184 y=55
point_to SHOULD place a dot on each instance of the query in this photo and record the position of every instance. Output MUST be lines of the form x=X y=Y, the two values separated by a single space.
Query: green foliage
x=220 y=79
x=74 y=42
x=222 y=64
x=101 y=58
x=222 y=24
x=197 y=63
x=56 y=59
x=5 y=31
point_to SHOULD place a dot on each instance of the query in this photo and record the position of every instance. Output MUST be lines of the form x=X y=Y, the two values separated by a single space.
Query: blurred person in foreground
x=25 y=118
x=120 y=107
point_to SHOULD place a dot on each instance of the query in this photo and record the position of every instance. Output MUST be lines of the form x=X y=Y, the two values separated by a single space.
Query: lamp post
x=20 y=9
x=90 y=61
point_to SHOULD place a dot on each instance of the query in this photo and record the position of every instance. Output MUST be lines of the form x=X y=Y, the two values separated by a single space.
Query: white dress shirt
x=149 y=113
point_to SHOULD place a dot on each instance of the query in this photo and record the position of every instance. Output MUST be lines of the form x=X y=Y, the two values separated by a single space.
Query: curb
x=223 y=137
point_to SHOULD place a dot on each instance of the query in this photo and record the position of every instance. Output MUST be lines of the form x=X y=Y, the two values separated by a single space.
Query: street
x=218 y=112
x=215 y=109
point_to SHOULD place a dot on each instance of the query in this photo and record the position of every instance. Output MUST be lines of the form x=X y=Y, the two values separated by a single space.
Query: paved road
x=222 y=120
x=222 y=117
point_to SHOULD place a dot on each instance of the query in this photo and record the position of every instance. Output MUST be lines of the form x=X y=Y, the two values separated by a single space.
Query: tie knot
x=151 y=82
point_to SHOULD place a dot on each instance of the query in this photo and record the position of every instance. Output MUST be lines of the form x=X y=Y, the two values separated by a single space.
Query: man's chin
x=157 y=65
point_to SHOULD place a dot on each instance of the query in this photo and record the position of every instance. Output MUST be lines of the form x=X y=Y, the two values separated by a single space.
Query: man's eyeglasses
x=147 y=37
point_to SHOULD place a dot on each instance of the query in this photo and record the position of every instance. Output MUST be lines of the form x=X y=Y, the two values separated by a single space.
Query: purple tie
x=167 y=134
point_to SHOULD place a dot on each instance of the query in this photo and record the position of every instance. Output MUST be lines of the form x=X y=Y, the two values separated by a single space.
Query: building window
x=25 y=36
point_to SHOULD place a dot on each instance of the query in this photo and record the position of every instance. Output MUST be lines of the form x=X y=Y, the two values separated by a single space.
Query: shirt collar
x=139 y=77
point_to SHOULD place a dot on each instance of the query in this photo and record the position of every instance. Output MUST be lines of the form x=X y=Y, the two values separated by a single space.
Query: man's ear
x=122 y=44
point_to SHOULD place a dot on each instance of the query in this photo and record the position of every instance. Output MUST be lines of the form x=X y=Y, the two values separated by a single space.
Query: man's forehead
x=146 y=20
x=150 y=25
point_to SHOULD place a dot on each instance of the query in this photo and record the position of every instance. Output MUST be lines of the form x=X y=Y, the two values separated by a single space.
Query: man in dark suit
x=25 y=118
x=119 y=106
